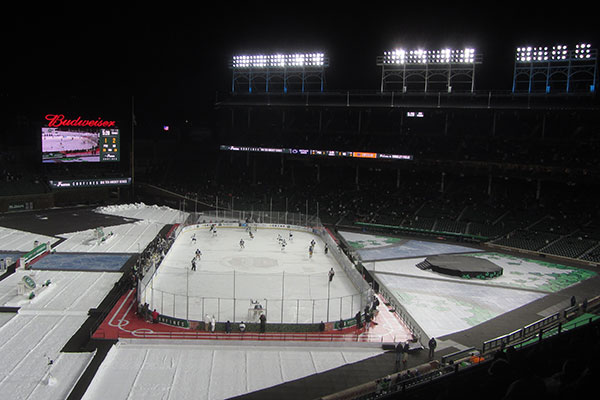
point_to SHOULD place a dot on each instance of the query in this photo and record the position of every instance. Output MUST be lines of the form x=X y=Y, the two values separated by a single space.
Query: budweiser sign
x=58 y=120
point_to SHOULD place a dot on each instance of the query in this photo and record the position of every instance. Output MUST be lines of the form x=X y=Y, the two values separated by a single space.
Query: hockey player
x=326 y=249
x=194 y=264
x=214 y=232
x=313 y=243
x=241 y=243
x=194 y=238
x=331 y=274
x=310 y=251
x=251 y=235
x=283 y=243
x=291 y=236
x=198 y=254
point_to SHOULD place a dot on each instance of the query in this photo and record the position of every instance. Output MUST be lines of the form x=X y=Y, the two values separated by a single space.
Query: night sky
x=174 y=58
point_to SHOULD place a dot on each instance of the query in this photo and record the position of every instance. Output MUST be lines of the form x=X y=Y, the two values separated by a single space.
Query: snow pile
x=154 y=213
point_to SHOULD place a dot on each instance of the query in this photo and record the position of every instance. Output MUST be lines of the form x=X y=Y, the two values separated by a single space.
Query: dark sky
x=173 y=57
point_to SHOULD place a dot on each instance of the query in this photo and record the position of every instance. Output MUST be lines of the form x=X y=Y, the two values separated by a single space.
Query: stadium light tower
x=555 y=68
x=269 y=72
x=429 y=69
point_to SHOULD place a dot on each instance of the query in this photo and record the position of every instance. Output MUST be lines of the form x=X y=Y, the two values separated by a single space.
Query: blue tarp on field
x=82 y=262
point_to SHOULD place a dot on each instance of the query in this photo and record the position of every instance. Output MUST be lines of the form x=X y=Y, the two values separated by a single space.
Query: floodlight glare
x=555 y=53
x=421 y=56
x=264 y=61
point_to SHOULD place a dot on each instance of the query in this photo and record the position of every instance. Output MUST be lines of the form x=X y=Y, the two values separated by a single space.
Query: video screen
x=60 y=145
x=310 y=152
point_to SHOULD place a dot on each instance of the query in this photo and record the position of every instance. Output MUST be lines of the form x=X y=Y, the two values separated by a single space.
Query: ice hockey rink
x=55 y=140
x=289 y=283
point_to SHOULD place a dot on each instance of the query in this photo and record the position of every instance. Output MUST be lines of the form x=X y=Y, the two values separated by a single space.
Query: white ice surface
x=260 y=271
x=135 y=370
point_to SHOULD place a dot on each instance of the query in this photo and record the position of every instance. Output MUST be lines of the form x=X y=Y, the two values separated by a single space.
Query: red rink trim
x=123 y=322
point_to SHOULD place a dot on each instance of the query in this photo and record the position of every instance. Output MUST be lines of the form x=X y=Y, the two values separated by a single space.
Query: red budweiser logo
x=58 y=120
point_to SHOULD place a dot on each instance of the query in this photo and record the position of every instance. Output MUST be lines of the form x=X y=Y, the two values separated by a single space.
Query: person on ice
x=194 y=238
x=331 y=274
x=326 y=249
x=194 y=264
x=241 y=243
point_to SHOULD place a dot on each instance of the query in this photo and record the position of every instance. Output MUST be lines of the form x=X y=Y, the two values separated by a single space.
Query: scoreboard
x=67 y=139
x=110 y=145
x=325 y=153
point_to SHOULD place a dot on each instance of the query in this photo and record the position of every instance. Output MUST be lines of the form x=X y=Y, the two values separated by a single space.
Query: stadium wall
x=60 y=198
x=26 y=202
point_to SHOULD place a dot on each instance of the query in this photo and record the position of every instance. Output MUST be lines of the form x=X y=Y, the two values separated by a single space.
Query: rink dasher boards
x=291 y=285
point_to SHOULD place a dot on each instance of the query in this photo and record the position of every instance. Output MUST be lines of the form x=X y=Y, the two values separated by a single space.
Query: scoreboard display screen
x=325 y=153
x=79 y=140
x=109 y=145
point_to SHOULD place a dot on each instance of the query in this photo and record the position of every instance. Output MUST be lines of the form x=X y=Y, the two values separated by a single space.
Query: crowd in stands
x=476 y=172
x=152 y=255
x=556 y=218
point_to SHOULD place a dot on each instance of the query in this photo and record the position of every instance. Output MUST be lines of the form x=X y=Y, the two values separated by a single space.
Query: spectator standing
x=358 y=320
x=432 y=345
x=263 y=323
x=399 y=350
x=405 y=349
